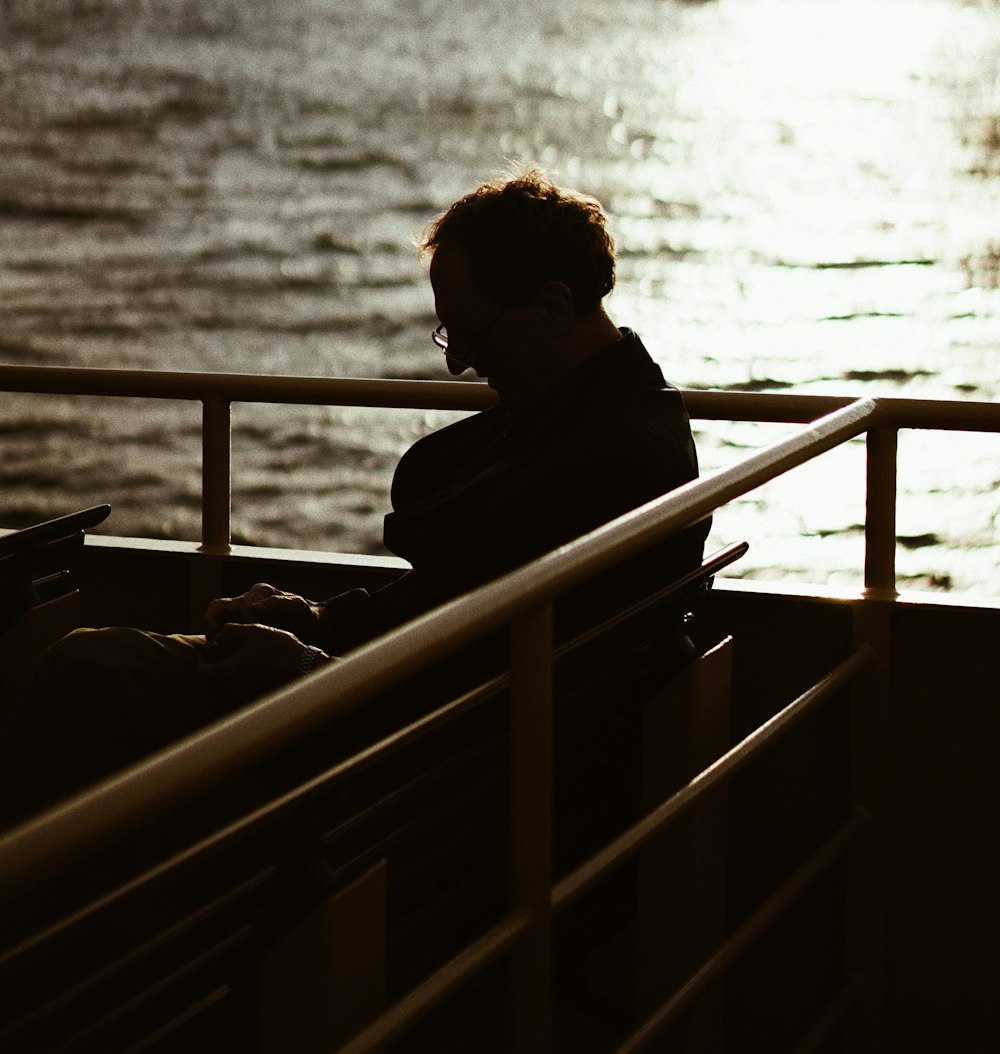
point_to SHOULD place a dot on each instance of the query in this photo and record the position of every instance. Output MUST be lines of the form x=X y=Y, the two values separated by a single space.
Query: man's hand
x=264 y=605
x=252 y=659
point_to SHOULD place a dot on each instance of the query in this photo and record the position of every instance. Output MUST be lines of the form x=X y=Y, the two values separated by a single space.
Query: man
x=585 y=430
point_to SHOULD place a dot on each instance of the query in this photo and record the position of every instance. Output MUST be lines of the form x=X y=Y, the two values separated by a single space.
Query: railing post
x=871 y=727
x=870 y=761
x=206 y=568
x=880 y=516
x=531 y=826
x=215 y=474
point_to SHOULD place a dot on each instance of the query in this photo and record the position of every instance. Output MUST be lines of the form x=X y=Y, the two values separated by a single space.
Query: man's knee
x=70 y=661
x=76 y=648
x=125 y=650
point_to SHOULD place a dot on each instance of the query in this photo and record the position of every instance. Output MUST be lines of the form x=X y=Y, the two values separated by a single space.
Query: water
x=804 y=193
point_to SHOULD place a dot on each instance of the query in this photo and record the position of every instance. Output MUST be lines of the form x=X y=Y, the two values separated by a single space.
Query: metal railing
x=234 y=744
x=216 y=392
x=523 y=600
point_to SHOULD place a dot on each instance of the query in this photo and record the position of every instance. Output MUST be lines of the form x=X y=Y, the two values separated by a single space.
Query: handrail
x=749 y=931
x=469 y=962
x=774 y=407
x=83 y=824
x=246 y=387
x=217 y=391
x=630 y=841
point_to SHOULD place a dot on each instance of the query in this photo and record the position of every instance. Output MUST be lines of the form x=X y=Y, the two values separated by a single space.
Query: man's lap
x=102 y=699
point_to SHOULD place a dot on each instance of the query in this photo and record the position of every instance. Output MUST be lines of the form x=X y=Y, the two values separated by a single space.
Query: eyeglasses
x=440 y=338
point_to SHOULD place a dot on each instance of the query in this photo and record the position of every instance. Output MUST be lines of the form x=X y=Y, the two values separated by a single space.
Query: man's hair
x=525 y=231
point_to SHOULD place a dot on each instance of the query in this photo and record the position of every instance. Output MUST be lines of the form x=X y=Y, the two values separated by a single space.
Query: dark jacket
x=500 y=488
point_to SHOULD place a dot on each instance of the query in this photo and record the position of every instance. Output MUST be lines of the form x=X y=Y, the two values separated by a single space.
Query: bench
x=39 y=601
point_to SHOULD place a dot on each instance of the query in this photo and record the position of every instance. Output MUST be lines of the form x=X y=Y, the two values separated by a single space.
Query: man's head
x=523 y=232
x=520 y=269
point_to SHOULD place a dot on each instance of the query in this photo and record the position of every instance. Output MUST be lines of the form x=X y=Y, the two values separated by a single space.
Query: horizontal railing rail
x=629 y=842
x=246 y=387
x=218 y=391
x=775 y=407
x=832 y=850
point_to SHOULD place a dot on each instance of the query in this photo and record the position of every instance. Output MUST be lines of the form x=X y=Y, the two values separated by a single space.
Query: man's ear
x=557 y=303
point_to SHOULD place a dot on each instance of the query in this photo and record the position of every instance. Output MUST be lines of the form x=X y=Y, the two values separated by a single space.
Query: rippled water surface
x=805 y=195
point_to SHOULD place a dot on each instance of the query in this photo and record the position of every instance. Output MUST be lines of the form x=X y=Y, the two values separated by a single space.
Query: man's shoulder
x=483 y=422
x=641 y=408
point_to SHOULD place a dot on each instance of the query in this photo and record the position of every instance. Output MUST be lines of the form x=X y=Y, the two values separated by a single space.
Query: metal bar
x=470 y=962
x=710 y=566
x=80 y=987
x=189 y=1013
x=631 y=841
x=871 y=756
x=940 y=414
x=880 y=516
x=252 y=388
x=86 y=1038
x=263 y=812
x=216 y=507
x=746 y=934
x=831 y=1017
x=779 y=407
x=719 y=405
x=216 y=457
x=531 y=826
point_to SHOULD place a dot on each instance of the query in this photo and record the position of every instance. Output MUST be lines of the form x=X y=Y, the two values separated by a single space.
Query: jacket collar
x=624 y=364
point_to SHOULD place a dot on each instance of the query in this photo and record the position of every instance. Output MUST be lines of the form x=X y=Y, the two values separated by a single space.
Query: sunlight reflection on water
x=805 y=194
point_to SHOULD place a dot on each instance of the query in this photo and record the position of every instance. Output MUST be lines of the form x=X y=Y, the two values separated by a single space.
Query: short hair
x=522 y=232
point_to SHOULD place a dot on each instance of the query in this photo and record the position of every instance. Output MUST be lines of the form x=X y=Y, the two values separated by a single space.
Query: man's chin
x=506 y=395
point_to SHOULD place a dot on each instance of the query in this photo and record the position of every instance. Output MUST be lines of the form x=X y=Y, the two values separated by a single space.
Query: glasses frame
x=440 y=338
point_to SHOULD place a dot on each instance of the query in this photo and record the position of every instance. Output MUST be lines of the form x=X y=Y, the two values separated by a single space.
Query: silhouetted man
x=586 y=429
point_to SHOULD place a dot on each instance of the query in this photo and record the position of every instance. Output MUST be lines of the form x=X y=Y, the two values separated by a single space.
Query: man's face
x=495 y=339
